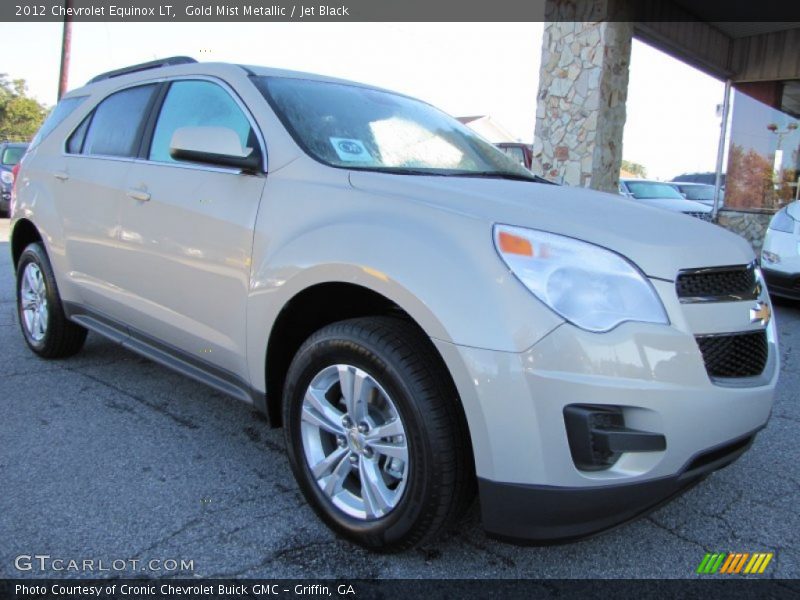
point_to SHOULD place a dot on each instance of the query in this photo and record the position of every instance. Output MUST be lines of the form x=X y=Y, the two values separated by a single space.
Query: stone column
x=580 y=112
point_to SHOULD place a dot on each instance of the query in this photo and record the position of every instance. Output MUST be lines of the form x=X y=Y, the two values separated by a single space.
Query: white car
x=663 y=195
x=780 y=255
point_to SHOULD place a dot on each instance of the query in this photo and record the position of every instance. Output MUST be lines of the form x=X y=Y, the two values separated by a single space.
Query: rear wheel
x=46 y=329
x=376 y=438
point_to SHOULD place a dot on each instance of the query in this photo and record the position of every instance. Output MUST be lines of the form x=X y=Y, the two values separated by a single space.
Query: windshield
x=652 y=189
x=698 y=192
x=12 y=155
x=360 y=128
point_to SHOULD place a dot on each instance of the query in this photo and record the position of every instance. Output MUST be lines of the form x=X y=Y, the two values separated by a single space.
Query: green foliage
x=20 y=115
x=634 y=168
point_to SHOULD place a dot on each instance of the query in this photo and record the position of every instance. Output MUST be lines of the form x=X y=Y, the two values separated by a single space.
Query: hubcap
x=33 y=299
x=354 y=442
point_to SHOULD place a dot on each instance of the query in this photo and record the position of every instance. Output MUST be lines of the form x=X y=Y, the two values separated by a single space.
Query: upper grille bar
x=718 y=284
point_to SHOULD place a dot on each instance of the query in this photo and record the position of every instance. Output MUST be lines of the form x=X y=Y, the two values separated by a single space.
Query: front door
x=187 y=232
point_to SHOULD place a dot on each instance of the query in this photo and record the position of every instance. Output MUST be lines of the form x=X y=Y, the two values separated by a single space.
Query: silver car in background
x=698 y=192
x=662 y=195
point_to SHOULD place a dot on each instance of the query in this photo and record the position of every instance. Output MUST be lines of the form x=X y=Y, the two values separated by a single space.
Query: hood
x=681 y=205
x=794 y=210
x=660 y=242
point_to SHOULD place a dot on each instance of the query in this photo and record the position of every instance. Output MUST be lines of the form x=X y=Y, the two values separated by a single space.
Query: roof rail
x=153 y=64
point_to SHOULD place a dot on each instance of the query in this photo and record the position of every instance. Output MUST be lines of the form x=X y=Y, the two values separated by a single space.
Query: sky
x=463 y=68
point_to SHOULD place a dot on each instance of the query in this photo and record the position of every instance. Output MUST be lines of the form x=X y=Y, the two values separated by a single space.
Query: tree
x=20 y=114
x=749 y=180
x=634 y=168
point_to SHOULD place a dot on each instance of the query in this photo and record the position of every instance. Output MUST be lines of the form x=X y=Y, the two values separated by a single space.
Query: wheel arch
x=23 y=234
x=309 y=310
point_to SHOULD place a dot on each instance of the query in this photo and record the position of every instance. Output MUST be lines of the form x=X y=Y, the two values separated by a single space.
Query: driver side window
x=198 y=104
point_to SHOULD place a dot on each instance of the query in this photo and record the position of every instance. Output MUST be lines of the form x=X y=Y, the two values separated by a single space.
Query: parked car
x=423 y=316
x=707 y=178
x=522 y=153
x=10 y=155
x=780 y=254
x=662 y=195
x=698 y=192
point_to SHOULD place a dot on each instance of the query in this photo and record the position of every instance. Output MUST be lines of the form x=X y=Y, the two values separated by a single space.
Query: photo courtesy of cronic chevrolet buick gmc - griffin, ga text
x=425 y=318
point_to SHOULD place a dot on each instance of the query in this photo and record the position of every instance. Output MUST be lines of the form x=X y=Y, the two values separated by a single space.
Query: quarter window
x=116 y=125
x=198 y=104
x=62 y=110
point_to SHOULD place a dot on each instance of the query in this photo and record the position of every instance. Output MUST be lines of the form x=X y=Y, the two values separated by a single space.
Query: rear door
x=98 y=156
x=186 y=234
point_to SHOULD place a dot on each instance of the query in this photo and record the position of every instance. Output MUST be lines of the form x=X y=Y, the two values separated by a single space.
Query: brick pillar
x=580 y=112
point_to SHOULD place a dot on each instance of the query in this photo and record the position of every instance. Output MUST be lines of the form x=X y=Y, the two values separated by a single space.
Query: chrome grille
x=704 y=216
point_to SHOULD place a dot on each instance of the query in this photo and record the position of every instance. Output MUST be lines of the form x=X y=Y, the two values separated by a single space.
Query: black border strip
x=733 y=587
x=742 y=11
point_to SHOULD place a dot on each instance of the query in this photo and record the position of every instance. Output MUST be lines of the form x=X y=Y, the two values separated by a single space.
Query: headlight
x=7 y=177
x=592 y=287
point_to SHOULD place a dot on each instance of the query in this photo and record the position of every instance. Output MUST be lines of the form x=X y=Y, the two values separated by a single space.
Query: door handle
x=61 y=175
x=139 y=195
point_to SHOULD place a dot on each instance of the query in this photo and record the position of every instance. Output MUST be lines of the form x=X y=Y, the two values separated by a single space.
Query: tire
x=47 y=332
x=408 y=502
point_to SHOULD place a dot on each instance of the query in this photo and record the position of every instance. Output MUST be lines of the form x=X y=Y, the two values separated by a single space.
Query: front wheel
x=376 y=438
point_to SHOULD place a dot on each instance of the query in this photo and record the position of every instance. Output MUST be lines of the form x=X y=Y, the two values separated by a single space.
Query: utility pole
x=66 y=42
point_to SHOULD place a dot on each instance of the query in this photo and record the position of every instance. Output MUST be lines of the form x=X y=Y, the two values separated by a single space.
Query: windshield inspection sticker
x=351 y=150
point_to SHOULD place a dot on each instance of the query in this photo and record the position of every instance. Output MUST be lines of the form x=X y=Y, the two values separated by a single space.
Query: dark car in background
x=707 y=177
x=522 y=153
x=10 y=154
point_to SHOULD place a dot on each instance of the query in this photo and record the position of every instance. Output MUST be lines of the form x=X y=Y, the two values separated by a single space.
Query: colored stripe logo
x=733 y=563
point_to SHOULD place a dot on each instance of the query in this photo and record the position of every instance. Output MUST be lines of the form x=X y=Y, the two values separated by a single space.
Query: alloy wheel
x=33 y=301
x=354 y=442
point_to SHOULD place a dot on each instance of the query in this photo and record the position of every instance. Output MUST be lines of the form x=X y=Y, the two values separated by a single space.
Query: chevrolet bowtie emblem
x=760 y=312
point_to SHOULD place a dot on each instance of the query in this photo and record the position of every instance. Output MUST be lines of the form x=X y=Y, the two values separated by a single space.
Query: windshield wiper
x=503 y=175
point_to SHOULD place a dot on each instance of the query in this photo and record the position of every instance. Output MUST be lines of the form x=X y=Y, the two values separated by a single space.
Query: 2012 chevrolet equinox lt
x=422 y=315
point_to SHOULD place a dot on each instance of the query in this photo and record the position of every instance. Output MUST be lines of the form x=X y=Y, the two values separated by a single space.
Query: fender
x=411 y=257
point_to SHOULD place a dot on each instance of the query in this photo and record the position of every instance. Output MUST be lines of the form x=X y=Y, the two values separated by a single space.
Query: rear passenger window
x=116 y=124
x=198 y=104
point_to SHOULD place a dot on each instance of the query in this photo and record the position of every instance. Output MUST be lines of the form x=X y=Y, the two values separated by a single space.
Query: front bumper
x=530 y=486
x=547 y=514
x=781 y=283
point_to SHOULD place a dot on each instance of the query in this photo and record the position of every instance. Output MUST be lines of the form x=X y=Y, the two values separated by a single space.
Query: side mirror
x=214 y=146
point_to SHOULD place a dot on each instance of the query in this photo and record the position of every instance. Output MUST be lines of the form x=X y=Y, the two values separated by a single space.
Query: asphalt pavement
x=108 y=457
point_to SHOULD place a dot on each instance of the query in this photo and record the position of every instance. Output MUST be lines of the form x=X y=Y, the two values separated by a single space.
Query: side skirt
x=221 y=380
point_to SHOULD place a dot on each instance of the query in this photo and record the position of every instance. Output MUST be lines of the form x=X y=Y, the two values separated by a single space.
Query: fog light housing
x=597 y=436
